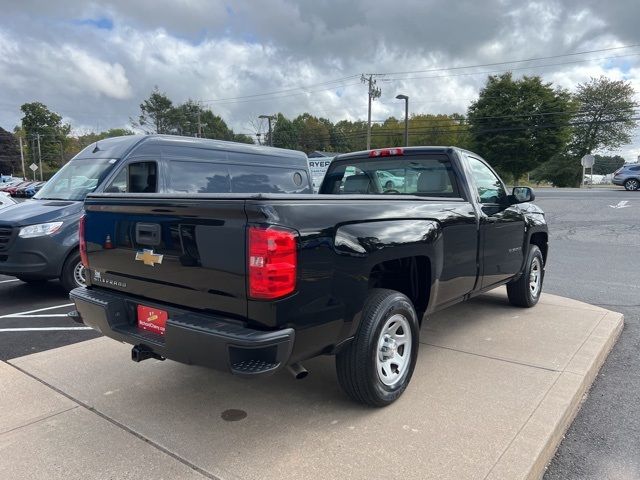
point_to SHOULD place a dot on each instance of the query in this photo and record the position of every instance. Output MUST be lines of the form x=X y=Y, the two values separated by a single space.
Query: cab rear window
x=430 y=175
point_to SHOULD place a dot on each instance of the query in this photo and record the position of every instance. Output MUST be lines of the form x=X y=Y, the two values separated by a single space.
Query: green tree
x=38 y=122
x=606 y=164
x=285 y=133
x=604 y=120
x=519 y=124
x=313 y=133
x=9 y=153
x=157 y=114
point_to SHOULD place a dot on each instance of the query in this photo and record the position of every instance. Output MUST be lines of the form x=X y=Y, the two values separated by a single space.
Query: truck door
x=502 y=226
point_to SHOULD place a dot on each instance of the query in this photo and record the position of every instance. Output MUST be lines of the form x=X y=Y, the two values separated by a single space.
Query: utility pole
x=269 y=118
x=39 y=156
x=199 y=125
x=374 y=92
x=24 y=173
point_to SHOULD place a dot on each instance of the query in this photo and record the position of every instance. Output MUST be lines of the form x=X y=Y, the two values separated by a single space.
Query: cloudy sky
x=95 y=62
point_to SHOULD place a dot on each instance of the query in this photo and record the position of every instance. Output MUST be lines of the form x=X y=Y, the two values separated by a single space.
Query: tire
x=631 y=185
x=364 y=372
x=526 y=291
x=389 y=185
x=70 y=271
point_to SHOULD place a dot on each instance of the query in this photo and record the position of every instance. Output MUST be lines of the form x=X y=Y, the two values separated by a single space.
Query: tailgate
x=182 y=252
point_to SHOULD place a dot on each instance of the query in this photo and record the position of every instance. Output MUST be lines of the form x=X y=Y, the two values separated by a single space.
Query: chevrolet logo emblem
x=148 y=257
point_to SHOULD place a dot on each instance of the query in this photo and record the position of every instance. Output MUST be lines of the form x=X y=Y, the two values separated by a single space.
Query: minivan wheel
x=525 y=292
x=73 y=272
x=377 y=366
x=631 y=185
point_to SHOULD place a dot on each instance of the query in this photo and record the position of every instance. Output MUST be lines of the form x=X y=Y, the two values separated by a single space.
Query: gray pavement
x=495 y=387
x=594 y=258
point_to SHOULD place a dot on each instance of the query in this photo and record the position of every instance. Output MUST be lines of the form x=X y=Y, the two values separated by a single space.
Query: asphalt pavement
x=594 y=245
x=34 y=318
x=594 y=240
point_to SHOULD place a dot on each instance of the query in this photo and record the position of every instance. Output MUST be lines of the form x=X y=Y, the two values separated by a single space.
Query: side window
x=490 y=189
x=260 y=179
x=138 y=177
x=198 y=177
x=635 y=169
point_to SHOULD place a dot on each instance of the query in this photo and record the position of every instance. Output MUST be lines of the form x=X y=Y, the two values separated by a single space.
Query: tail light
x=386 y=152
x=273 y=259
x=83 y=243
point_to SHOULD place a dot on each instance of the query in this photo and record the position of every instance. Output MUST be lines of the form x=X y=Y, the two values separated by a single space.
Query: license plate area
x=151 y=319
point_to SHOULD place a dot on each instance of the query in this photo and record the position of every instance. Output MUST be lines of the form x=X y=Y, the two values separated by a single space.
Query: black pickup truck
x=253 y=283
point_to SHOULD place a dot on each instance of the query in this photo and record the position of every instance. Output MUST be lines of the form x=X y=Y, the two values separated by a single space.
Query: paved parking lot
x=34 y=318
x=595 y=236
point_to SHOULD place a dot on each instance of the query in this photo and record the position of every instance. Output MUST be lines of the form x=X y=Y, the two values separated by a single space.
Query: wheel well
x=409 y=275
x=541 y=240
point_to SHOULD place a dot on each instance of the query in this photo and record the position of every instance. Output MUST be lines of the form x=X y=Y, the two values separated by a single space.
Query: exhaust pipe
x=298 y=371
x=140 y=353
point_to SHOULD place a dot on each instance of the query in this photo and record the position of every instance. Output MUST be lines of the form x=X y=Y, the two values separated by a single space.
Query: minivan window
x=137 y=177
x=76 y=179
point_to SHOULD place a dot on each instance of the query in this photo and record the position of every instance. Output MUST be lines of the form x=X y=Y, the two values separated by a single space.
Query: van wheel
x=376 y=367
x=73 y=272
x=525 y=292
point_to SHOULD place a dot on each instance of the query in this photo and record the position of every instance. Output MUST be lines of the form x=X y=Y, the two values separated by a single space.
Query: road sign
x=33 y=167
x=588 y=161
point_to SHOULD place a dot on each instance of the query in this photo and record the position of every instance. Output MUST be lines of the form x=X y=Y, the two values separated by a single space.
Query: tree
x=9 y=153
x=40 y=122
x=519 y=124
x=604 y=120
x=157 y=114
x=606 y=164
x=313 y=133
x=285 y=133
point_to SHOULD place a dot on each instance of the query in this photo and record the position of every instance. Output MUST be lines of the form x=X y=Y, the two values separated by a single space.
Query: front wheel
x=73 y=272
x=376 y=367
x=632 y=185
x=525 y=292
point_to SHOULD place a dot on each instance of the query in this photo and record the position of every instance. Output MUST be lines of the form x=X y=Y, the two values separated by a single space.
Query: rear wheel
x=525 y=292
x=632 y=184
x=376 y=367
x=73 y=272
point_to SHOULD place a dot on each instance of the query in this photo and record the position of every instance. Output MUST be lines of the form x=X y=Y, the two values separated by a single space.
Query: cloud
x=95 y=62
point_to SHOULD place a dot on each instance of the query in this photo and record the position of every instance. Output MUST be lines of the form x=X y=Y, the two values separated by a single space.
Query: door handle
x=148 y=234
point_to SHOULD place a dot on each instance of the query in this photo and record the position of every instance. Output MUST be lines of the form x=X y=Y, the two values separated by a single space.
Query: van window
x=430 y=175
x=259 y=179
x=211 y=177
x=198 y=177
x=138 y=177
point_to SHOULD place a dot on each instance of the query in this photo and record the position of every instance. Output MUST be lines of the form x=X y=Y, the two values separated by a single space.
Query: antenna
x=96 y=148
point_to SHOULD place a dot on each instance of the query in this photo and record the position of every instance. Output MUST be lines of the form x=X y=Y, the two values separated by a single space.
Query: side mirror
x=522 y=195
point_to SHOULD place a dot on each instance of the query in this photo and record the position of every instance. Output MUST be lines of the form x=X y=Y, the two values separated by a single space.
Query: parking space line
x=43 y=329
x=19 y=314
x=7 y=281
x=51 y=315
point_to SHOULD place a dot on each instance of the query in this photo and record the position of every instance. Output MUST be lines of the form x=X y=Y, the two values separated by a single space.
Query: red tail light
x=273 y=260
x=83 y=243
x=386 y=152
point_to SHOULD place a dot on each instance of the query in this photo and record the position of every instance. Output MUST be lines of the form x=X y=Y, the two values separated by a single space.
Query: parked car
x=6 y=185
x=390 y=181
x=6 y=200
x=31 y=190
x=22 y=190
x=14 y=188
x=628 y=176
x=39 y=238
x=251 y=283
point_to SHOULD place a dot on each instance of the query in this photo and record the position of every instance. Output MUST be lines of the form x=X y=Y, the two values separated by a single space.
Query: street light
x=269 y=117
x=406 y=118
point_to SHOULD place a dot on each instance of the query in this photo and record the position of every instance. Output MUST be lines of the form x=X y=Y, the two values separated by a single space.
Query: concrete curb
x=535 y=445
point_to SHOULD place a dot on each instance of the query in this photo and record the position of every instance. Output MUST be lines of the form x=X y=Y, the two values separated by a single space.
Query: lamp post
x=269 y=118
x=406 y=118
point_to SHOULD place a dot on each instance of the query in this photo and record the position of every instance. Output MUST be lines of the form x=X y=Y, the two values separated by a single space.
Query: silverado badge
x=148 y=257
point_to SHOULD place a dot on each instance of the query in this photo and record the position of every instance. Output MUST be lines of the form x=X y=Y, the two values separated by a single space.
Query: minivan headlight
x=39 y=230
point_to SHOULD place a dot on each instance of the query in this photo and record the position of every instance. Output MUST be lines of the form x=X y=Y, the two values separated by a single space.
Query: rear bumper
x=190 y=338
